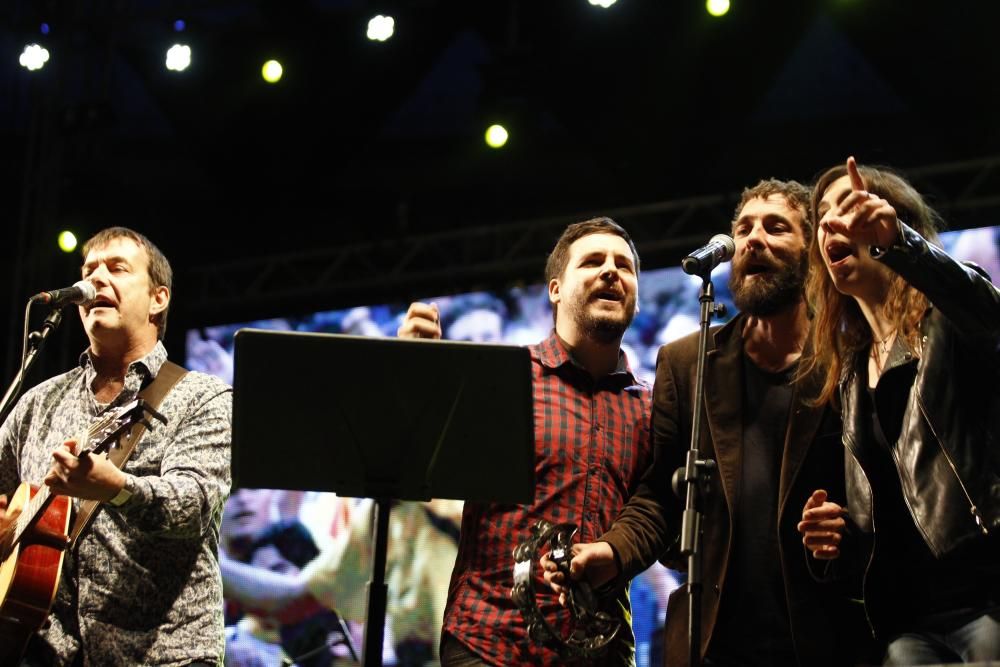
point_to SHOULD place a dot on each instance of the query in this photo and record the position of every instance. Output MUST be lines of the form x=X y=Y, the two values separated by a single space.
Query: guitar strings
x=42 y=495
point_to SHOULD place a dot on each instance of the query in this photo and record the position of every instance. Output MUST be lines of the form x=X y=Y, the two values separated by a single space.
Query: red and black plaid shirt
x=591 y=448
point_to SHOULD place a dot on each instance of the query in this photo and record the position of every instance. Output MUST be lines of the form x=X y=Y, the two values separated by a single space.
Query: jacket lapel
x=724 y=404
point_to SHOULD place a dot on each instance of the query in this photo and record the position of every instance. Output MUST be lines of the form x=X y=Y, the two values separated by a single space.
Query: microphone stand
x=695 y=475
x=34 y=343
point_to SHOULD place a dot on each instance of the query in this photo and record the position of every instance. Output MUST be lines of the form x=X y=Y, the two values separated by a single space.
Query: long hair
x=839 y=330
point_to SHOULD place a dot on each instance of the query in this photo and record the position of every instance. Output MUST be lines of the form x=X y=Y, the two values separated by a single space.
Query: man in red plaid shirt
x=591 y=441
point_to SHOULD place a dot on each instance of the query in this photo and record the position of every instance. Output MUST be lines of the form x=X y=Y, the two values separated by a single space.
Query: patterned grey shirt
x=143 y=585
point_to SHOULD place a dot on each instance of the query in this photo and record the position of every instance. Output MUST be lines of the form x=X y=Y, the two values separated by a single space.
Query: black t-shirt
x=752 y=626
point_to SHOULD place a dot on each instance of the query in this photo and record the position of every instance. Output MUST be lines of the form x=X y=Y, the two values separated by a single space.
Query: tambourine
x=592 y=630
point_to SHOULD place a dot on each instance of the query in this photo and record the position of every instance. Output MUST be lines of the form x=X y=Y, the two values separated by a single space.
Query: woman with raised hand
x=910 y=342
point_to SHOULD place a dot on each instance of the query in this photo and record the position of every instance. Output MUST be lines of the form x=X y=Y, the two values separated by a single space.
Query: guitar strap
x=169 y=375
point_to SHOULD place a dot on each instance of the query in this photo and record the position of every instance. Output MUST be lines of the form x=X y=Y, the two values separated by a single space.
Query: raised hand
x=423 y=320
x=822 y=526
x=862 y=216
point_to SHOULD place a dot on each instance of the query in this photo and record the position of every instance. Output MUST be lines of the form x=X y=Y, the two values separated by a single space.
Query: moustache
x=763 y=261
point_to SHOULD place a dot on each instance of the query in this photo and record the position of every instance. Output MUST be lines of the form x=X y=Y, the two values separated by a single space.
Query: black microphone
x=82 y=292
x=720 y=248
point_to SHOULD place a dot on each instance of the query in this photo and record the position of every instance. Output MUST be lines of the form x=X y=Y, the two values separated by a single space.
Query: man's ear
x=554 y=294
x=160 y=300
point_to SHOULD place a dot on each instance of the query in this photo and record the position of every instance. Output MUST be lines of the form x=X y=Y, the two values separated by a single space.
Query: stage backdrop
x=323 y=539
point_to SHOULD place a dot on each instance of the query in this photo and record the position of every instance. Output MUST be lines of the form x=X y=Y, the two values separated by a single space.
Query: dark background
x=362 y=177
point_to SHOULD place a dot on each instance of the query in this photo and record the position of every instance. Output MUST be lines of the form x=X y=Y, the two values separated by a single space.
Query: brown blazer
x=649 y=527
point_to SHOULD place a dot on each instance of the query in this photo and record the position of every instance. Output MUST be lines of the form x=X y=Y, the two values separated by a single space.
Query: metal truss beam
x=966 y=193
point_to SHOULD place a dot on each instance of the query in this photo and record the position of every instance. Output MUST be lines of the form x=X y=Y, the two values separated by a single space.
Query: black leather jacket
x=948 y=452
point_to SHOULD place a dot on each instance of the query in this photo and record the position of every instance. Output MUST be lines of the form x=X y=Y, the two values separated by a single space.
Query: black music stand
x=382 y=418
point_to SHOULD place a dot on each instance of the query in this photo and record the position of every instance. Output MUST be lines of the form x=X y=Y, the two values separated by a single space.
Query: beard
x=603 y=327
x=770 y=292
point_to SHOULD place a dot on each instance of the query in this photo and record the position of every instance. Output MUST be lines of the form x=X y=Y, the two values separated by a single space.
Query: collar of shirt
x=553 y=355
x=140 y=369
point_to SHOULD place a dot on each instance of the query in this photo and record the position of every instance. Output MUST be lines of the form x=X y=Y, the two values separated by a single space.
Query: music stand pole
x=418 y=453
x=378 y=591
x=694 y=475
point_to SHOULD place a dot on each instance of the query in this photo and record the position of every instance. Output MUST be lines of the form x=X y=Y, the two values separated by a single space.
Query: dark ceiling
x=648 y=101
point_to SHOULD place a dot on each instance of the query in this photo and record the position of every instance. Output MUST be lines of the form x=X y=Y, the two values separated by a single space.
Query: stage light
x=178 y=57
x=67 y=241
x=44 y=28
x=604 y=4
x=272 y=71
x=496 y=136
x=33 y=57
x=381 y=28
x=179 y=25
x=717 y=7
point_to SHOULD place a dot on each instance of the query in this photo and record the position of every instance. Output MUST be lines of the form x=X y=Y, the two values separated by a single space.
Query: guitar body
x=30 y=572
x=32 y=548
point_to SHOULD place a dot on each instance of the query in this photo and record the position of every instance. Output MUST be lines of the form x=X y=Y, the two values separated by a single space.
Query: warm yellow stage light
x=271 y=71
x=496 y=136
x=67 y=241
x=717 y=7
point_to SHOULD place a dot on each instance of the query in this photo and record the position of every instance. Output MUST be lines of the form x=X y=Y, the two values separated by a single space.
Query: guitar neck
x=97 y=440
x=35 y=508
x=32 y=512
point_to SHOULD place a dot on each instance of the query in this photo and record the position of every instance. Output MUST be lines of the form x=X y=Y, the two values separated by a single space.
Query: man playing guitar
x=141 y=585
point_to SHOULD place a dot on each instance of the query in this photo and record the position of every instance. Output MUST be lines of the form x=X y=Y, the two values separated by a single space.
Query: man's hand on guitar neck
x=91 y=477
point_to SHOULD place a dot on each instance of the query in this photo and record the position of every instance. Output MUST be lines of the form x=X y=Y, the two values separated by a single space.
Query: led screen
x=294 y=537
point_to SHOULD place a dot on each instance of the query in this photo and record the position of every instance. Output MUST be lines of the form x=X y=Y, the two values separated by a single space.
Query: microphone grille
x=87 y=290
x=726 y=241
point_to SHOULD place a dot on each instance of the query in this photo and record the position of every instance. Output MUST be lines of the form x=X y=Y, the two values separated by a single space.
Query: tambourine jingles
x=592 y=630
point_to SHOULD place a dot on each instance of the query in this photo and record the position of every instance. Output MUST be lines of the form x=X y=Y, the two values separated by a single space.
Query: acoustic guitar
x=33 y=545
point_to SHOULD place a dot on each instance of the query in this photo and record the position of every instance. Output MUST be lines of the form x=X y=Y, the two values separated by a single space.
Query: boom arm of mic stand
x=694 y=476
x=36 y=339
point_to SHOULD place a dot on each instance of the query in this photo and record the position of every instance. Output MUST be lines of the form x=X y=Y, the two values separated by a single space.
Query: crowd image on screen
x=519 y=316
